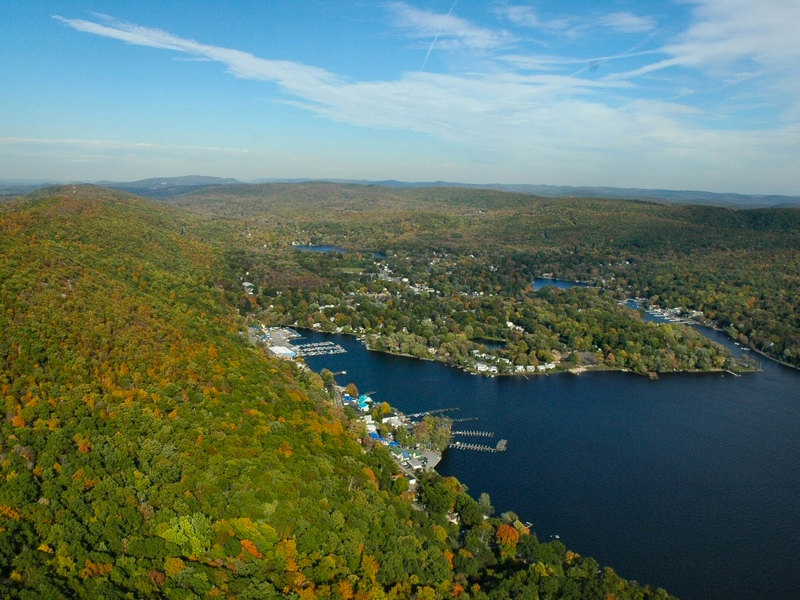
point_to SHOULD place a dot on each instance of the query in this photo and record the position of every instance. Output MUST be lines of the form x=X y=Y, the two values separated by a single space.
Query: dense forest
x=148 y=449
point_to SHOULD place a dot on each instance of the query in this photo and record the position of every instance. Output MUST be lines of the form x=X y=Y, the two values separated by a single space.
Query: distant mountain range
x=679 y=196
x=162 y=182
x=167 y=187
x=564 y=191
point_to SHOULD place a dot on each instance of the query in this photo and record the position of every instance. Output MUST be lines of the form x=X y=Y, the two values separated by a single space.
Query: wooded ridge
x=148 y=449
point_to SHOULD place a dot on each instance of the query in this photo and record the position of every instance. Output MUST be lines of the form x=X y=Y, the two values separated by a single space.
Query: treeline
x=148 y=450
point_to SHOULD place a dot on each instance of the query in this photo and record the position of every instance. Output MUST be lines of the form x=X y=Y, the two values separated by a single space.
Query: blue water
x=691 y=482
x=323 y=249
x=326 y=249
x=562 y=284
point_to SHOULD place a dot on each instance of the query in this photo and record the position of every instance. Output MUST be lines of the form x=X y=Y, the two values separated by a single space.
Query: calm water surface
x=691 y=482
x=323 y=249
x=327 y=249
x=562 y=284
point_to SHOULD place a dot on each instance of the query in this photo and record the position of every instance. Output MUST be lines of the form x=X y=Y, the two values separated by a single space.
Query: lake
x=691 y=482
x=562 y=284
x=323 y=249
x=327 y=249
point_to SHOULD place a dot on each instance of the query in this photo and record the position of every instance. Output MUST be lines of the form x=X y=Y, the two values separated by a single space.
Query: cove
x=327 y=249
x=562 y=284
x=691 y=482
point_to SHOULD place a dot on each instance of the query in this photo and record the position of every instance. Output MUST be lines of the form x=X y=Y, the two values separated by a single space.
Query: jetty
x=464 y=420
x=501 y=446
x=319 y=349
x=474 y=433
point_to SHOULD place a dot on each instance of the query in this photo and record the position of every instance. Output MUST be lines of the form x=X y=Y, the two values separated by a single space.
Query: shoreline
x=747 y=348
x=578 y=370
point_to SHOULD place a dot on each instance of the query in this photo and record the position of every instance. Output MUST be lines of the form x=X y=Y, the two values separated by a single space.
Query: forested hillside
x=148 y=450
x=739 y=268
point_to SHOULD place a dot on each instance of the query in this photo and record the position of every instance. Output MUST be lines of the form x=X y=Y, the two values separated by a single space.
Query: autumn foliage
x=149 y=450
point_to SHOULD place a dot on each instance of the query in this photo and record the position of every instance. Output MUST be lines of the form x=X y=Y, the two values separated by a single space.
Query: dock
x=319 y=349
x=474 y=433
x=464 y=420
x=501 y=446
x=432 y=412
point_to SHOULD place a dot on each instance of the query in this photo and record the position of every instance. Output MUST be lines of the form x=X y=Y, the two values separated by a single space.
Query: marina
x=319 y=349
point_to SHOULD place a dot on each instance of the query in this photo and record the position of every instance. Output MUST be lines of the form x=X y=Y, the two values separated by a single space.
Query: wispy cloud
x=436 y=38
x=574 y=25
x=426 y=102
x=524 y=16
x=451 y=31
x=730 y=37
x=625 y=22
x=547 y=62
x=294 y=76
x=113 y=145
x=728 y=31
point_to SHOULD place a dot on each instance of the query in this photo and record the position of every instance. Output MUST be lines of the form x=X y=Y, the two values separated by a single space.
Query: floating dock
x=501 y=446
x=432 y=412
x=474 y=433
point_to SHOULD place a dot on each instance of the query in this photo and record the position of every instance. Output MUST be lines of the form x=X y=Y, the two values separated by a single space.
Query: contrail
x=436 y=37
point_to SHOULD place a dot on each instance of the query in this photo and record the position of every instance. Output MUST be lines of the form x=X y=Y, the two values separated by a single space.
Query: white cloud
x=523 y=16
x=574 y=25
x=726 y=35
x=451 y=30
x=625 y=22
x=292 y=75
x=728 y=31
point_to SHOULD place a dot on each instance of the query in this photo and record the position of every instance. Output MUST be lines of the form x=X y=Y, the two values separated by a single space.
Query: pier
x=319 y=349
x=464 y=420
x=474 y=433
x=501 y=446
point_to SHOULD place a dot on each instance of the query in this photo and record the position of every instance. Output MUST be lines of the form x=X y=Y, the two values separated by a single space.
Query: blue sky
x=693 y=94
